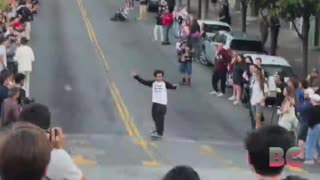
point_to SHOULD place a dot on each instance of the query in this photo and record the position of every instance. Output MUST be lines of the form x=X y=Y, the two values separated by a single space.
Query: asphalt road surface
x=82 y=71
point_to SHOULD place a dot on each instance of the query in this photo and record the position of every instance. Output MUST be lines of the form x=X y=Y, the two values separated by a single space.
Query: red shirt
x=17 y=25
x=167 y=19
x=223 y=59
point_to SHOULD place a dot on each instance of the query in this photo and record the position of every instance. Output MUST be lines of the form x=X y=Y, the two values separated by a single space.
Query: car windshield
x=246 y=45
x=212 y=28
x=270 y=70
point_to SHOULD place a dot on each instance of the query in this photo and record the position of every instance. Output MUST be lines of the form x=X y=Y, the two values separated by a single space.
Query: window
x=221 y=38
x=271 y=70
x=245 y=45
x=212 y=28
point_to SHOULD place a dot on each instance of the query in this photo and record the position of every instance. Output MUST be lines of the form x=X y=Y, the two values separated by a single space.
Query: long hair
x=260 y=79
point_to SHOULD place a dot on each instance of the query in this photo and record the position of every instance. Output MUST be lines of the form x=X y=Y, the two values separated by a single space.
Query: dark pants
x=252 y=117
x=166 y=33
x=219 y=75
x=158 y=114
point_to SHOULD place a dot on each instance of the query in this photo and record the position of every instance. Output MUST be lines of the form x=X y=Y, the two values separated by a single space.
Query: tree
x=271 y=21
x=293 y=9
x=244 y=9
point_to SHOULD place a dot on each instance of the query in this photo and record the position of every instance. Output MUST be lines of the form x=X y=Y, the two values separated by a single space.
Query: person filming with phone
x=61 y=165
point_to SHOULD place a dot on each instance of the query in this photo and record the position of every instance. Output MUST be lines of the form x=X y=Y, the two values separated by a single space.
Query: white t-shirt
x=3 y=54
x=159 y=93
x=62 y=167
x=24 y=57
x=257 y=94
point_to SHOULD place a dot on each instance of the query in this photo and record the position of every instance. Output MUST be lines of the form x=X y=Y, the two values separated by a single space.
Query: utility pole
x=188 y=6
x=317 y=31
x=199 y=8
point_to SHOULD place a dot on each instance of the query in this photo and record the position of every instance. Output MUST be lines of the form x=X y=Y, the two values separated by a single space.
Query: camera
x=55 y=133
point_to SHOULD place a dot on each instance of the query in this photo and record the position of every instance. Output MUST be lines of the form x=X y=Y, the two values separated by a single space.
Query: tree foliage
x=292 y=9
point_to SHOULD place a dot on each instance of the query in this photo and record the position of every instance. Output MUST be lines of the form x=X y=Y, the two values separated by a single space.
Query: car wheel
x=203 y=59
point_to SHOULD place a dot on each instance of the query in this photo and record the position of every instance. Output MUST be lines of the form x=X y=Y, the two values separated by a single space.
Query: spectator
x=25 y=57
x=258 y=143
x=19 y=82
x=287 y=114
x=304 y=113
x=143 y=9
x=10 y=107
x=258 y=62
x=26 y=15
x=11 y=50
x=24 y=154
x=167 y=20
x=220 y=71
x=313 y=79
x=313 y=136
x=158 y=28
x=259 y=92
x=61 y=165
x=224 y=14
x=279 y=80
x=3 y=53
x=185 y=60
x=194 y=37
x=238 y=70
x=182 y=173
x=4 y=86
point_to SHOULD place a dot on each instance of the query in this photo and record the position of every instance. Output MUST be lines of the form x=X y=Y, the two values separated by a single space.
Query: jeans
x=158 y=113
x=219 y=75
x=166 y=33
x=312 y=143
x=156 y=30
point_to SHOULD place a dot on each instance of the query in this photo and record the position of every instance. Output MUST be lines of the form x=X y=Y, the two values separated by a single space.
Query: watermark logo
x=277 y=158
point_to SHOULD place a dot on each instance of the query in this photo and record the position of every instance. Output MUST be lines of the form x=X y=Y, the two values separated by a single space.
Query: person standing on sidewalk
x=25 y=57
x=224 y=13
x=143 y=10
x=3 y=53
x=158 y=27
x=167 y=20
x=185 y=60
x=159 y=99
x=223 y=58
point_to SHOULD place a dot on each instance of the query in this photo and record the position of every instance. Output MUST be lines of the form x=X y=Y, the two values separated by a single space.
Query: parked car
x=153 y=5
x=271 y=66
x=234 y=41
x=211 y=27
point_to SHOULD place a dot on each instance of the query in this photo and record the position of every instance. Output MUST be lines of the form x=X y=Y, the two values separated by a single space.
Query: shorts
x=257 y=109
x=303 y=131
x=186 y=68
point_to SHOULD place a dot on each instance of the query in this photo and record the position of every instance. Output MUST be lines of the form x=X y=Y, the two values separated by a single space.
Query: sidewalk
x=290 y=46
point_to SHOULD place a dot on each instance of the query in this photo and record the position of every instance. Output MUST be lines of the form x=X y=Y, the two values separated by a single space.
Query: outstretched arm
x=142 y=81
x=171 y=86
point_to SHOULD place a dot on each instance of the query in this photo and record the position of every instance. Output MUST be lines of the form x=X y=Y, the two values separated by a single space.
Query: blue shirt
x=304 y=110
x=3 y=94
x=300 y=96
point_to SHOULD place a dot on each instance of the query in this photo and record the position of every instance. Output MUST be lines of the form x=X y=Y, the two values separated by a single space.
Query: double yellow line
x=125 y=116
x=92 y=34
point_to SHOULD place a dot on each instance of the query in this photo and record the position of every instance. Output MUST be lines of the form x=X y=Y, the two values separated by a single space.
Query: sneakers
x=220 y=94
x=156 y=136
x=232 y=98
x=236 y=102
x=213 y=93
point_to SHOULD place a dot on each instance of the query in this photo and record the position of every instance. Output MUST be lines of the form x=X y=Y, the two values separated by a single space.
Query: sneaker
x=220 y=94
x=236 y=102
x=232 y=98
x=310 y=162
x=156 y=136
x=213 y=93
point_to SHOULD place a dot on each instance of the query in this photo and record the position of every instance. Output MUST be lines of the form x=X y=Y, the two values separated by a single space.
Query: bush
x=4 y=4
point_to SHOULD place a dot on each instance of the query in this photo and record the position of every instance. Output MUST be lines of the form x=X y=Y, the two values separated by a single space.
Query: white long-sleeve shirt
x=24 y=57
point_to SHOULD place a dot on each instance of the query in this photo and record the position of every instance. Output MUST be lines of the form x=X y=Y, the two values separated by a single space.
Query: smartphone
x=55 y=132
